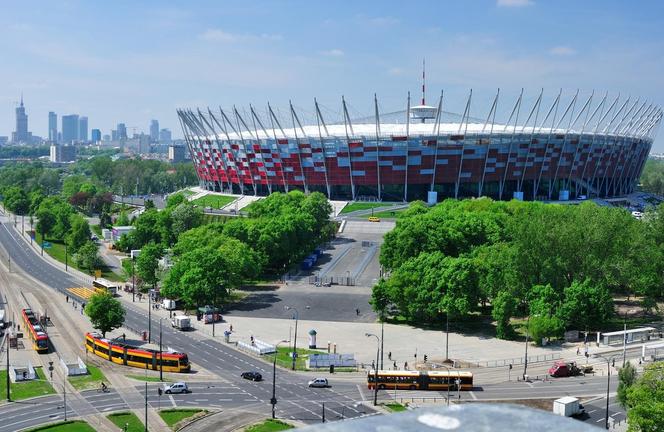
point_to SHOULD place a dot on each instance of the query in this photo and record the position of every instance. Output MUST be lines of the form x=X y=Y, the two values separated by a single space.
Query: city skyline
x=263 y=52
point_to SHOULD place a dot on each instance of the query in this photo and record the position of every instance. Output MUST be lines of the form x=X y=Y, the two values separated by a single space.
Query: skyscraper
x=122 y=132
x=21 y=135
x=154 y=130
x=165 y=136
x=95 y=135
x=52 y=127
x=83 y=129
x=70 y=128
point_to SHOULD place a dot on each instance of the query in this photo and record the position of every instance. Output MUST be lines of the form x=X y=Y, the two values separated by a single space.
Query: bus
x=416 y=380
x=105 y=286
x=37 y=334
x=128 y=355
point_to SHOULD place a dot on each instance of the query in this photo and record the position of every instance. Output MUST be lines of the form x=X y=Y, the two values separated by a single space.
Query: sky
x=133 y=61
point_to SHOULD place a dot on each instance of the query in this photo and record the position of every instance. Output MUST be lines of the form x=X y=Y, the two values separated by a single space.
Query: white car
x=319 y=382
x=178 y=387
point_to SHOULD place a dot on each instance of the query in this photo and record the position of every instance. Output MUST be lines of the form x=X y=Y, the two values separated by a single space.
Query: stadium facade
x=590 y=147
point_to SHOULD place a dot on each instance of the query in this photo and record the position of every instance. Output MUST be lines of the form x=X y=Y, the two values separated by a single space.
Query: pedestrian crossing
x=82 y=292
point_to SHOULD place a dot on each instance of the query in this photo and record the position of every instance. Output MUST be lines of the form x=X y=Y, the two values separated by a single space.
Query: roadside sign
x=47 y=245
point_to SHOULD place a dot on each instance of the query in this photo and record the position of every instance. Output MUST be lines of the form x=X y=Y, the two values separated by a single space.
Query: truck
x=2 y=319
x=181 y=322
x=564 y=369
x=568 y=406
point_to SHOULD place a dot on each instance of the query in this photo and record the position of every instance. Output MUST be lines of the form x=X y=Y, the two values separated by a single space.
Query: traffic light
x=425 y=358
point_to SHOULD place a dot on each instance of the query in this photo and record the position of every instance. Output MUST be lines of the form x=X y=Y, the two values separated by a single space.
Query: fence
x=331 y=280
x=78 y=368
x=513 y=361
x=257 y=347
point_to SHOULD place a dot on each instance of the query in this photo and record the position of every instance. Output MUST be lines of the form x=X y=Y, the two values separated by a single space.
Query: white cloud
x=395 y=71
x=514 y=3
x=333 y=53
x=562 y=51
x=218 y=35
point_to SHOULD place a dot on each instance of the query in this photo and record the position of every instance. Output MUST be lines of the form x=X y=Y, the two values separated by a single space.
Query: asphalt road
x=217 y=358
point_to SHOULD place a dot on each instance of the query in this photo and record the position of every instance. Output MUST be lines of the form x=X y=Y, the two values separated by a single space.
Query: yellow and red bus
x=417 y=380
x=103 y=286
x=37 y=334
x=127 y=355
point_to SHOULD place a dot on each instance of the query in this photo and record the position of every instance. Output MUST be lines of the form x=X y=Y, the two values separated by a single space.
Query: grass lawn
x=122 y=418
x=28 y=389
x=389 y=214
x=147 y=378
x=57 y=251
x=68 y=426
x=269 y=426
x=173 y=416
x=284 y=359
x=90 y=381
x=395 y=407
x=96 y=229
x=214 y=201
x=355 y=206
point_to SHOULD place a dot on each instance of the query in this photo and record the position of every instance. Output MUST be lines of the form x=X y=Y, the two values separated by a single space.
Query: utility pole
x=382 y=339
x=376 y=366
x=133 y=280
x=161 y=355
x=66 y=263
x=9 y=399
x=149 y=317
x=146 y=406
x=525 y=360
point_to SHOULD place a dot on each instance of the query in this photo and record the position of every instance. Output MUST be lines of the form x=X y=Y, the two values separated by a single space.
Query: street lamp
x=66 y=263
x=273 y=401
x=376 y=368
x=608 y=385
x=447 y=336
x=448 y=383
x=525 y=360
x=296 y=316
x=133 y=279
x=161 y=355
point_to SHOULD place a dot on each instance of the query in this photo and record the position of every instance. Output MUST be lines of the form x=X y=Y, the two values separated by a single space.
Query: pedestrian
x=357 y=311
x=373 y=364
x=231 y=328
x=405 y=366
x=124 y=338
x=67 y=299
x=389 y=355
x=578 y=350
x=395 y=365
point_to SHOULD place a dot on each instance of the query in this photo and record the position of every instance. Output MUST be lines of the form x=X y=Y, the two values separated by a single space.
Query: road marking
x=364 y=399
x=602 y=419
x=472 y=394
x=590 y=412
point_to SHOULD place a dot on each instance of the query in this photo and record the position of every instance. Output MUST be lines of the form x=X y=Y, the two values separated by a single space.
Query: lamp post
x=133 y=279
x=608 y=385
x=448 y=383
x=447 y=336
x=382 y=341
x=525 y=360
x=161 y=355
x=66 y=263
x=376 y=368
x=273 y=401
x=9 y=399
x=297 y=317
x=149 y=316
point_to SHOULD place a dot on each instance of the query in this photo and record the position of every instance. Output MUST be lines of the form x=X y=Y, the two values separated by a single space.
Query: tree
x=645 y=399
x=45 y=221
x=185 y=217
x=79 y=234
x=175 y=199
x=123 y=219
x=544 y=326
x=105 y=312
x=586 y=306
x=626 y=377
x=147 y=263
x=87 y=256
x=16 y=200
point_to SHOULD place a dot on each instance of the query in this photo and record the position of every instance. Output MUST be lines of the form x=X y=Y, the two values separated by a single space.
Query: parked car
x=178 y=387
x=319 y=382
x=253 y=376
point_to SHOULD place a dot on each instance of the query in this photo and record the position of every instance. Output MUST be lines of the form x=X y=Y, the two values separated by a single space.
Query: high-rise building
x=154 y=130
x=83 y=129
x=122 y=132
x=95 y=135
x=70 y=128
x=165 y=136
x=176 y=153
x=21 y=135
x=62 y=153
x=52 y=127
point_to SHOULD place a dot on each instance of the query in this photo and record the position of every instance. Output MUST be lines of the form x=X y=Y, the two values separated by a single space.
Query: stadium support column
x=492 y=116
x=579 y=143
x=348 y=125
x=466 y=114
x=536 y=108
x=636 y=134
x=297 y=144
x=273 y=120
x=377 y=146
x=618 y=151
x=436 y=132
x=571 y=105
x=405 y=182
x=244 y=144
x=253 y=150
x=516 y=109
x=554 y=108
x=267 y=137
x=591 y=148
x=606 y=129
x=238 y=158
x=208 y=142
x=600 y=160
x=319 y=122
x=219 y=145
x=625 y=132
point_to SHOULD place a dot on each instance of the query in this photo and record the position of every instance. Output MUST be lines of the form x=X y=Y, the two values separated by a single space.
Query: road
x=217 y=358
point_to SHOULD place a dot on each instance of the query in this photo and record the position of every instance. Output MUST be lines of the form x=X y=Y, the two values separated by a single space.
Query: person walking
x=389 y=355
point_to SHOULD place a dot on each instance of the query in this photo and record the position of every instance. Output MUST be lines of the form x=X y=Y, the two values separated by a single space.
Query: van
x=374 y=219
x=181 y=322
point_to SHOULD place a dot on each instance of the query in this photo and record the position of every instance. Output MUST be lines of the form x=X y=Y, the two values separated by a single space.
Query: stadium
x=568 y=148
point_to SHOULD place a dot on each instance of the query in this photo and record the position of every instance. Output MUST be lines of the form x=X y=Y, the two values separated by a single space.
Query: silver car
x=319 y=382
x=178 y=387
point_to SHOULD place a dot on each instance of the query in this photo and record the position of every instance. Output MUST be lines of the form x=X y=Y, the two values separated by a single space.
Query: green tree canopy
x=645 y=399
x=147 y=263
x=87 y=256
x=79 y=234
x=106 y=313
x=626 y=378
x=16 y=200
